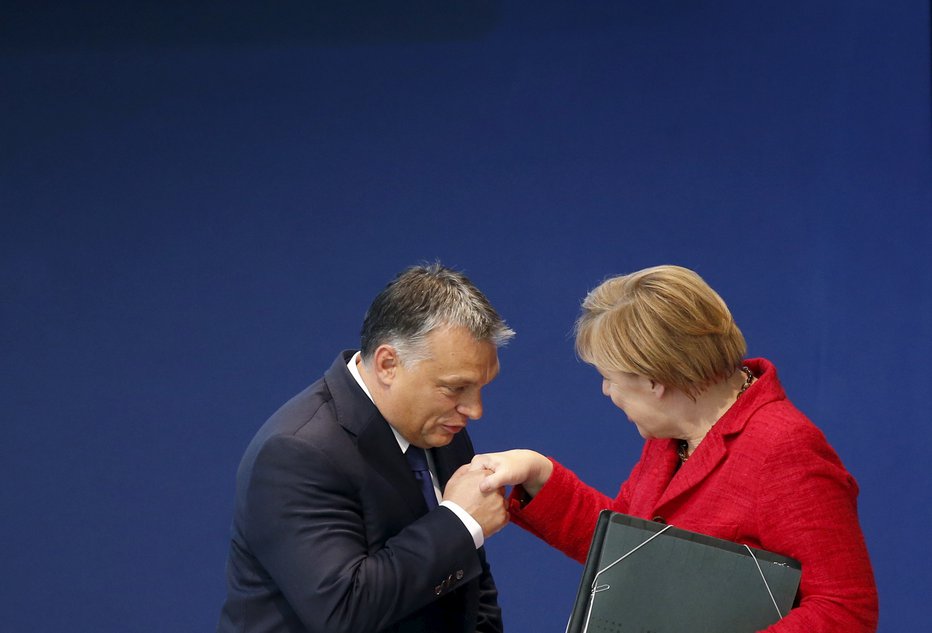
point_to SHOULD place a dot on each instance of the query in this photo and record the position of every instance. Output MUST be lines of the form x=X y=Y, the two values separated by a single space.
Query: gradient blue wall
x=198 y=203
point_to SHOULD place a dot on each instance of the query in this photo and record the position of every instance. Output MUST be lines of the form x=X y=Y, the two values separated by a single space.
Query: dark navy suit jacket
x=331 y=533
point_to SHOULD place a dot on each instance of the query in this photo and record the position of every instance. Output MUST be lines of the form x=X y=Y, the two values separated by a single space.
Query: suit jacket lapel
x=374 y=437
x=378 y=446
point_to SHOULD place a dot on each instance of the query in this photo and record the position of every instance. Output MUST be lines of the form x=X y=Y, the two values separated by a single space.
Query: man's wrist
x=475 y=530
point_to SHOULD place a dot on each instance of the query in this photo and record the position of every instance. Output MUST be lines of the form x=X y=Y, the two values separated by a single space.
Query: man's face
x=431 y=401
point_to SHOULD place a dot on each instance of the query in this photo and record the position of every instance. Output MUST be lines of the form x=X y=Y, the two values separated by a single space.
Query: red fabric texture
x=764 y=476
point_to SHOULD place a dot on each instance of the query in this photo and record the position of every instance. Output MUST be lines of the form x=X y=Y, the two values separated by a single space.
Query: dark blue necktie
x=417 y=459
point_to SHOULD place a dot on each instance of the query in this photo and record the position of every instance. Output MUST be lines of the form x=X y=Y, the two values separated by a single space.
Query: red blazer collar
x=714 y=447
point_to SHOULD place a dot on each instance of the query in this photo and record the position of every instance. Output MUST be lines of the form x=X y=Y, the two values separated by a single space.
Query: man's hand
x=487 y=508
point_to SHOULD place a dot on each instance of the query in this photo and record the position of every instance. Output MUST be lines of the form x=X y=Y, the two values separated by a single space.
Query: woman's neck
x=700 y=416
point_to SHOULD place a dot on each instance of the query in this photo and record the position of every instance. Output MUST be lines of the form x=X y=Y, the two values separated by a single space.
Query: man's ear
x=385 y=363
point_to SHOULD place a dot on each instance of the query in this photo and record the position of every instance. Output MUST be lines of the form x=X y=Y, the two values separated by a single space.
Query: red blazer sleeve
x=565 y=511
x=807 y=509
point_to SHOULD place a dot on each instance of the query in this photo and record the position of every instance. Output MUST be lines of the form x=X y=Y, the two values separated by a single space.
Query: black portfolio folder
x=646 y=577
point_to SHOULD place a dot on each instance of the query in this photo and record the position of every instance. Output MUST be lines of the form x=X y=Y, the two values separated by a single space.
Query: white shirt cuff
x=471 y=524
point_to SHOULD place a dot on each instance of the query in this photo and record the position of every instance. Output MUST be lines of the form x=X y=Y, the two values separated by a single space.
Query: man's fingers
x=490 y=483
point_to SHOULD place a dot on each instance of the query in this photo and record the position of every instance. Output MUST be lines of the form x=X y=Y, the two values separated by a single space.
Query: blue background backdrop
x=200 y=200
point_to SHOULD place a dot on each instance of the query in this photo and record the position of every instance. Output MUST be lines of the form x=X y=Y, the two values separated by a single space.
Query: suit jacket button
x=659 y=519
x=459 y=574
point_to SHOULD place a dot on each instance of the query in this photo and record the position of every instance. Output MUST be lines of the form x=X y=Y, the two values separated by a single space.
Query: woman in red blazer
x=726 y=453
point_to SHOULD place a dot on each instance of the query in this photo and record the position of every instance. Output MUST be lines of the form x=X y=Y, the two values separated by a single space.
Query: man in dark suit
x=333 y=530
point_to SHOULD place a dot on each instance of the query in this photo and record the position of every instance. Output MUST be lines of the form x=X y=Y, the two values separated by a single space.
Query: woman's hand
x=522 y=467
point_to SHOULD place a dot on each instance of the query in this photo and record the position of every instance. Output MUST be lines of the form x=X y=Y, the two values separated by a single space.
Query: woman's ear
x=658 y=389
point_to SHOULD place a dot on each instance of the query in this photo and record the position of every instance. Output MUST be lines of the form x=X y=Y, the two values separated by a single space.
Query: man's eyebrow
x=456 y=378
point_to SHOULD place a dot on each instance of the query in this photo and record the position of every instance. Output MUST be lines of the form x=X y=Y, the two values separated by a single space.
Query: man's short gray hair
x=425 y=298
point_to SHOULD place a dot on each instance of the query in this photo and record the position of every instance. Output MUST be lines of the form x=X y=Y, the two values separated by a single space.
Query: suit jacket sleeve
x=306 y=526
x=489 y=618
x=489 y=614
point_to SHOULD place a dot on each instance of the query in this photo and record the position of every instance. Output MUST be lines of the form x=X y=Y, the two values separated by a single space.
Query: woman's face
x=641 y=400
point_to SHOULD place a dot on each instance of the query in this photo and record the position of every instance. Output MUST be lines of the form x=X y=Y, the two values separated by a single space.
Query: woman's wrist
x=542 y=470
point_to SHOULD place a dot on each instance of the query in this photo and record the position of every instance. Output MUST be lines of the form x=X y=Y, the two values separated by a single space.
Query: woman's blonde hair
x=664 y=323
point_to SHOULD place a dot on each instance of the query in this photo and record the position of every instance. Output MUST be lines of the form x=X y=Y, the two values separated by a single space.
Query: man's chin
x=443 y=436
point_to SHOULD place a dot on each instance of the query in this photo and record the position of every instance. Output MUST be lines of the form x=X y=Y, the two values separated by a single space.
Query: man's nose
x=471 y=406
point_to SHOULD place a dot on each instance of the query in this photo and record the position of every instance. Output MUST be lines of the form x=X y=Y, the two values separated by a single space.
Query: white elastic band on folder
x=766 y=584
x=598 y=588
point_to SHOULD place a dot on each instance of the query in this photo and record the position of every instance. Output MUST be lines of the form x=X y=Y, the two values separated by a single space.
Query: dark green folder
x=670 y=580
